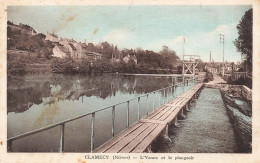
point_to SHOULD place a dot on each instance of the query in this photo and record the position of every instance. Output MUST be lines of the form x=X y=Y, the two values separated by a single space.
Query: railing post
x=147 y=102
x=168 y=95
x=153 y=99
x=171 y=92
x=174 y=91
x=113 y=121
x=164 y=96
x=183 y=81
x=127 y=114
x=92 y=132
x=62 y=126
x=138 y=108
x=9 y=146
x=159 y=103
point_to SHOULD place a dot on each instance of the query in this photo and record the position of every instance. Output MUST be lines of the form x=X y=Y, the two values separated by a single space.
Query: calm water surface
x=38 y=101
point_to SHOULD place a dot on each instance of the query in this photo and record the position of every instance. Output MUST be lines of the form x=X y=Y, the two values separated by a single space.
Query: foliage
x=37 y=50
x=31 y=43
x=14 y=65
x=102 y=65
x=66 y=65
x=169 y=57
x=242 y=81
x=244 y=41
x=208 y=77
x=179 y=68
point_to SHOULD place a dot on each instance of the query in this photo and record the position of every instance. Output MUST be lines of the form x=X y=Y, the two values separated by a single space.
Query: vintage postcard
x=135 y=81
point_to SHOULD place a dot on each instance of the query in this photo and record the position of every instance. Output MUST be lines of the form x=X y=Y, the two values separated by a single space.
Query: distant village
x=64 y=47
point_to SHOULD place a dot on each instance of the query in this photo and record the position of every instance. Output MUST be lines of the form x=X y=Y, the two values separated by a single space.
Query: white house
x=60 y=51
x=52 y=37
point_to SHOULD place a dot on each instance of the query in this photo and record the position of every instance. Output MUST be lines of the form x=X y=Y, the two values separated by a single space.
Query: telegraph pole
x=183 y=56
x=183 y=61
x=210 y=56
x=222 y=40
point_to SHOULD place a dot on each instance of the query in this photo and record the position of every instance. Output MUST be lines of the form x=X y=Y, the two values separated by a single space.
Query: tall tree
x=244 y=41
x=169 y=56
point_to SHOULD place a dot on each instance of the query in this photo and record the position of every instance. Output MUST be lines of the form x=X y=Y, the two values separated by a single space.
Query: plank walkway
x=139 y=137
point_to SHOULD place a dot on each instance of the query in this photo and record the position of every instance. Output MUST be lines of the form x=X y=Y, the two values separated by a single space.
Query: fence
x=165 y=91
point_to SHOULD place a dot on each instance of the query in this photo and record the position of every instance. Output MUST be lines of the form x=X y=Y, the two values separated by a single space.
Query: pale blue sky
x=147 y=27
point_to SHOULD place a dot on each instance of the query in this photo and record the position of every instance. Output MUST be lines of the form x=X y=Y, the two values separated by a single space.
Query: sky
x=146 y=27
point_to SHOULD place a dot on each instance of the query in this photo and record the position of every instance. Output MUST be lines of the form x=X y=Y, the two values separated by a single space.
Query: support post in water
x=127 y=115
x=92 y=132
x=62 y=126
x=187 y=107
x=181 y=114
x=113 y=121
x=138 y=108
x=175 y=121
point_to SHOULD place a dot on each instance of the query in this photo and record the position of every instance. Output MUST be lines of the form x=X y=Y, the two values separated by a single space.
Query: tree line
x=40 y=51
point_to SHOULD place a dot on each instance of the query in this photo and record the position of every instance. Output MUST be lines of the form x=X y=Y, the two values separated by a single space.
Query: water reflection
x=38 y=101
x=27 y=90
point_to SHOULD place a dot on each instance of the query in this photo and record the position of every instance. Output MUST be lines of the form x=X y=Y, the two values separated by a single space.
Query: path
x=217 y=80
x=206 y=129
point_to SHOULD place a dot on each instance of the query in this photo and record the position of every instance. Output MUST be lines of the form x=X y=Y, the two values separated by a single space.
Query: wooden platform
x=139 y=137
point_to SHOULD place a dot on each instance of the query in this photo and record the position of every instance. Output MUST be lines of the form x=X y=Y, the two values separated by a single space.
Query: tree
x=244 y=41
x=169 y=57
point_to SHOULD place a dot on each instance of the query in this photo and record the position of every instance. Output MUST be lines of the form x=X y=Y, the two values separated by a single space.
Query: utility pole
x=183 y=56
x=222 y=40
x=183 y=60
x=210 y=56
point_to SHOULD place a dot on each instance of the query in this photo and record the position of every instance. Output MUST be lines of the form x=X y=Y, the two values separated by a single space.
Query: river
x=35 y=101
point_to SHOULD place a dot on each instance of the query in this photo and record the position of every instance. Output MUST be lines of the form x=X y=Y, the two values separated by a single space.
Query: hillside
x=27 y=51
x=32 y=52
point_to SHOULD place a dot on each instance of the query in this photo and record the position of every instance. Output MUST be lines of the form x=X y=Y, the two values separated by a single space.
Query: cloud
x=223 y=29
x=180 y=39
x=201 y=43
x=120 y=37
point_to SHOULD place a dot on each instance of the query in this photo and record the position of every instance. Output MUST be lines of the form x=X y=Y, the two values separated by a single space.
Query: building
x=127 y=58
x=60 y=51
x=52 y=37
x=213 y=67
x=68 y=44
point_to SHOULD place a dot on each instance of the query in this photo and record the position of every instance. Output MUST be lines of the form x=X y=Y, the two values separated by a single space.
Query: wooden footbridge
x=139 y=137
